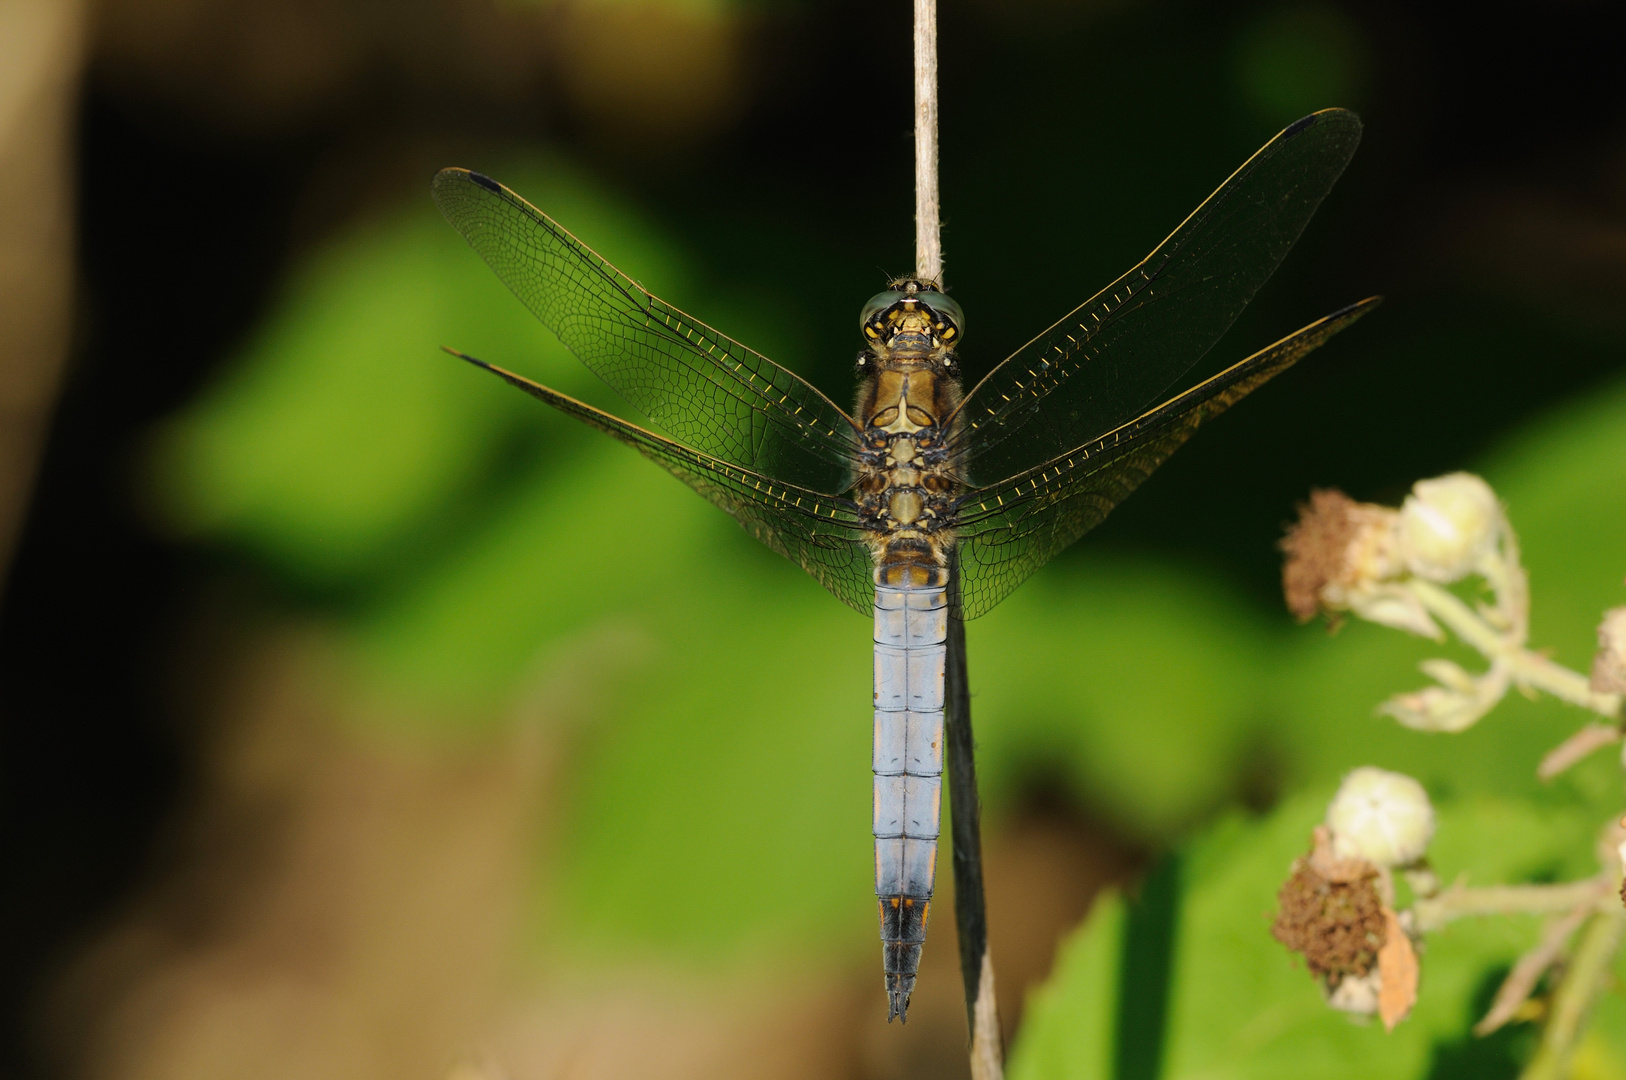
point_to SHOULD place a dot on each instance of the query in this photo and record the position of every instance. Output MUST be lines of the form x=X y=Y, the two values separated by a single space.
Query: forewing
x=819 y=533
x=703 y=388
x=1008 y=530
x=1111 y=357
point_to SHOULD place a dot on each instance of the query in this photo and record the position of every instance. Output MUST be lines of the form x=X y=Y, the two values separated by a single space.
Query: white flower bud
x=1382 y=817
x=1448 y=525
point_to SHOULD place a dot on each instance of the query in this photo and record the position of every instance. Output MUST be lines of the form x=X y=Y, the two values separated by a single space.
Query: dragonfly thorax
x=905 y=486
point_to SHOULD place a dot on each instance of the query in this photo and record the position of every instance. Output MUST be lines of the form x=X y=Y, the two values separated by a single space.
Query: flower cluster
x=1337 y=908
x=1392 y=567
x=1357 y=557
x=1404 y=568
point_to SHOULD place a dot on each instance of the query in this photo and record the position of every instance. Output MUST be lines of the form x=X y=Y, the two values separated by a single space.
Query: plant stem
x=1577 y=746
x=1585 y=978
x=1458 y=901
x=965 y=808
x=928 y=220
x=970 y=903
x=1531 y=669
x=1521 y=981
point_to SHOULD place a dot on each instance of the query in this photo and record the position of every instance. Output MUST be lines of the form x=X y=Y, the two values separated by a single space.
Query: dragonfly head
x=912 y=320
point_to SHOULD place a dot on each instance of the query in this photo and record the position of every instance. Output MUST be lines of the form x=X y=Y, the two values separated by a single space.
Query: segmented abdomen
x=911 y=628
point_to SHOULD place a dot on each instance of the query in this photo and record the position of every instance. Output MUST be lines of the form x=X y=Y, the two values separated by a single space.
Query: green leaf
x=1241 y=1007
x=1068 y=1025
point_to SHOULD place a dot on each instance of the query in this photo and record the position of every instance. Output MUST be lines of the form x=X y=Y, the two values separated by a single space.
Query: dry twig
x=1521 y=981
x=1577 y=746
x=970 y=905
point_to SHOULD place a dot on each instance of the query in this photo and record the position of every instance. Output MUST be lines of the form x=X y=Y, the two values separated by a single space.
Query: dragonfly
x=924 y=503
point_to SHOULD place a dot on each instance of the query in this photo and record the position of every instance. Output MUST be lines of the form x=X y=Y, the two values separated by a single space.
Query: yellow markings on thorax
x=903 y=402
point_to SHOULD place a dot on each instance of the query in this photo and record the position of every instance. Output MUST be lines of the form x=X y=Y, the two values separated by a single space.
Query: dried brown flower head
x=1343 y=555
x=1317 y=547
x=1332 y=914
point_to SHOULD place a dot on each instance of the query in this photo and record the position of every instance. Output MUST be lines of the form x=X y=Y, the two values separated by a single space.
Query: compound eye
x=878 y=304
x=947 y=312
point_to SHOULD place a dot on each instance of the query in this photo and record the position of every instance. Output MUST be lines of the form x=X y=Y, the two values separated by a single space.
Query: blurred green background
x=364 y=716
